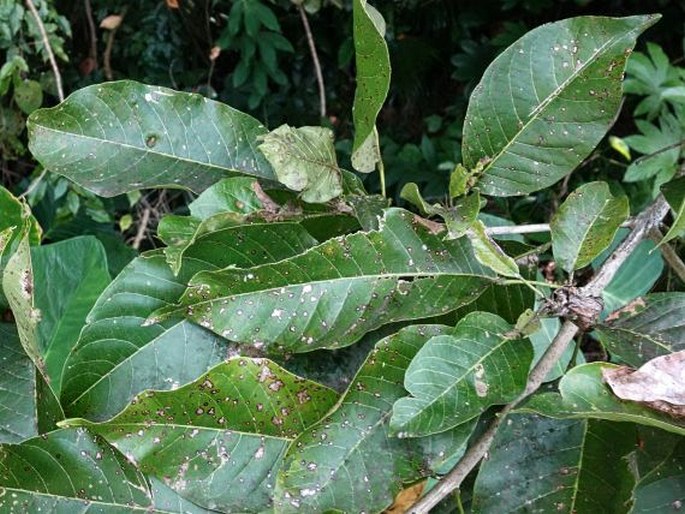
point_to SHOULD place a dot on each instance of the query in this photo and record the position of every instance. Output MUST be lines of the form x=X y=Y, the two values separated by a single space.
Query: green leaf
x=238 y=418
x=14 y=213
x=28 y=95
x=461 y=216
x=635 y=277
x=70 y=471
x=649 y=327
x=120 y=136
x=334 y=293
x=27 y=405
x=454 y=378
x=674 y=192
x=373 y=83
x=304 y=160
x=234 y=194
x=583 y=394
x=115 y=353
x=549 y=465
x=348 y=462
x=661 y=490
x=542 y=339
x=489 y=253
x=546 y=101
x=585 y=224
x=69 y=276
x=660 y=146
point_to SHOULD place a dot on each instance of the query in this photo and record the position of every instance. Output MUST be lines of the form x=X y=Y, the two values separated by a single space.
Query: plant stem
x=315 y=58
x=93 y=34
x=48 y=49
x=381 y=173
x=642 y=225
x=528 y=229
x=670 y=256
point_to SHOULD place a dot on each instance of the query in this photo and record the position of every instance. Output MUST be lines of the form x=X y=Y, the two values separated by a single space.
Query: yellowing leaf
x=111 y=22
x=304 y=160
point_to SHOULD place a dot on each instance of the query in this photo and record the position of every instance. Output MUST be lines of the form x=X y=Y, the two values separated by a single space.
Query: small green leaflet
x=489 y=253
x=304 y=160
x=674 y=192
x=585 y=224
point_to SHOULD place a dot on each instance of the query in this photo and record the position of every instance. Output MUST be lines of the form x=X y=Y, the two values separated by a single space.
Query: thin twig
x=670 y=256
x=532 y=228
x=107 y=56
x=142 y=228
x=34 y=184
x=48 y=49
x=642 y=225
x=93 y=54
x=315 y=58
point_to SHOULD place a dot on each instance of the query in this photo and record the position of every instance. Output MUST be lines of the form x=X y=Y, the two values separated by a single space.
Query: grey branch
x=48 y=49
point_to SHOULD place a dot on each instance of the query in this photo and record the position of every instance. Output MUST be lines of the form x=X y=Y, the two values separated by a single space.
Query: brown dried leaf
x=406 y=498
x=660 y=383
x=111 y=22
x=214 y=53
x=172 y=4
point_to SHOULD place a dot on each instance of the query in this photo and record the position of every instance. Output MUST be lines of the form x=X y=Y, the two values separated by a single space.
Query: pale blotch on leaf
x=304 y=160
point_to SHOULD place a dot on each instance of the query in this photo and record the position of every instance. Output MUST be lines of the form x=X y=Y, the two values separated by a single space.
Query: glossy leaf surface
x=334 y=293
x=238 y=419
x=121 y=136
x=546 y=101
x=456 y=377
x=373 y=83
x=585 y=224
x=348 y=462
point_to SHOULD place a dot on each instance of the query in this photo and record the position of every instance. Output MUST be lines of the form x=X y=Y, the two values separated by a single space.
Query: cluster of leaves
x=198 y=379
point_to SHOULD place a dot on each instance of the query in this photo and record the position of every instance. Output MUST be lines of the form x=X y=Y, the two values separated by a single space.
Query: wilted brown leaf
x=660 y=383
x=214 y=53
x=172 y=4
x=111 y=22
x=406 y=498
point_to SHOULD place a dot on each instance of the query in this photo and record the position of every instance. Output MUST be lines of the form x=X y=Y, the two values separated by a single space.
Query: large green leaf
x=674 y=192
x=27 y=405
x=304 y=160
x=373 y=83
x=548 y=465
x=331 y=295
x=237 y=419
x=585 y=224
x=456 y=377
x=663 y=488
x=348 y=462
x=117 y=357
x=546 y=101
x=121 y=136
x=583 y=394
x=69 y=471
x=649 y=327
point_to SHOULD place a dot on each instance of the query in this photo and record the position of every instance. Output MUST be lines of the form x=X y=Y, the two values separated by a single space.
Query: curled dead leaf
x=111 y=22
x=632 y=308
x=214 y=53
x=172 y=4
x=659 y=384
x=405 y=499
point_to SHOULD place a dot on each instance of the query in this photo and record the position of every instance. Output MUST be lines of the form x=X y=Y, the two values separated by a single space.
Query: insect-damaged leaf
x=237 y=419
x=121 y=136
x=70 y=470
x=546 y=101
x=304 y=160
x=659 y=384
x=454 y=378
x=334 y=293
x=585 y=224
x=583 y=394
x=373 y=82
x=646 y=328
x=348 y=462
x=117 y=357
x=539 y=464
